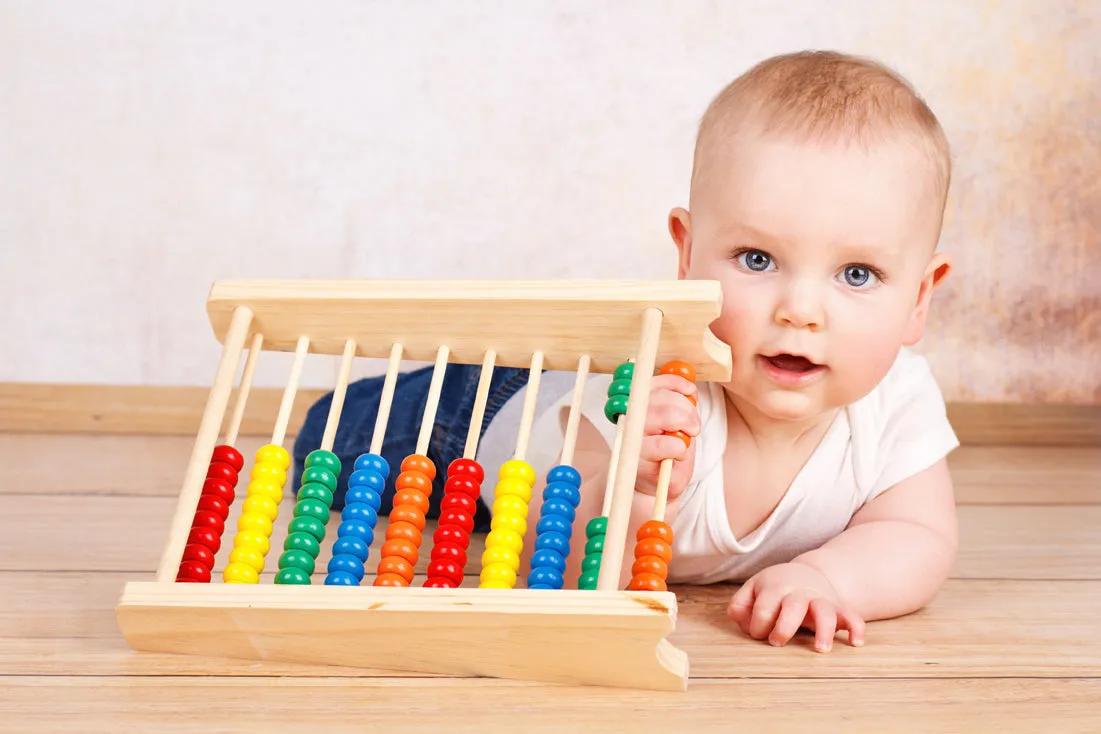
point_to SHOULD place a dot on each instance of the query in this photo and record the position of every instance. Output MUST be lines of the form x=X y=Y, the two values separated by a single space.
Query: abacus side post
x=213 y=415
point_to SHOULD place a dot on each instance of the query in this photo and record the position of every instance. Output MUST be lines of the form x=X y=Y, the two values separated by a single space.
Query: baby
x=817 y=475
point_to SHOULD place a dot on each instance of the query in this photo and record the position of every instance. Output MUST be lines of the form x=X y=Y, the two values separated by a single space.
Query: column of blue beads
x=357 y=521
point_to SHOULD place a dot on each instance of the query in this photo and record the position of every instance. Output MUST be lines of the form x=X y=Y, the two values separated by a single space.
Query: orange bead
x=421 y=463
x=680 y=368
x=411 y=498
x=403 y=530
x=390 y=579
x=401 y=548
x=398 y=566
x=651 y=565
x=655 y=529
x=413 y=480
x=646 y=582
x=408 y=514
x=654 y=547
x=682 y=436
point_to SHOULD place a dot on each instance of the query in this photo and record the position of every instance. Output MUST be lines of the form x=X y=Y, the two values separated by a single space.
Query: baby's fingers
x=825 y=624
x=793 y=610
x=854 y=624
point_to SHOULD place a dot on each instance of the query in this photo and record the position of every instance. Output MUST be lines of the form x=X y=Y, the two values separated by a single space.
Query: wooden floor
x=1013 y=643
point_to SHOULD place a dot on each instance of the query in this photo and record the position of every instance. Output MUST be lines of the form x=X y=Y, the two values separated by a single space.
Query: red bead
x=222 y=470
x=186 y=580
x=411 y=498
x=439 y=582
x=199 y=553
x=421 y=463
x=208 y=519
x=457 y=501
x=219 y=488
x=463 y=485
x=464 y=520
x=205 y=536
x=214 y=504
x=446 y=569
x=194 y=570
x=467 y=468
x=414 y=480
x=646 y=582
x=229 y=455
x=449 y=552
x=451 y=534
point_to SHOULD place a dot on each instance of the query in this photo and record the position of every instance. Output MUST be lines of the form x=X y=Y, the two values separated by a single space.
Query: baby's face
x=825 y=256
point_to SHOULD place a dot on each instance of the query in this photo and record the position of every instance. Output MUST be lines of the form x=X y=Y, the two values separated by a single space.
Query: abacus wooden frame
x=606 y=637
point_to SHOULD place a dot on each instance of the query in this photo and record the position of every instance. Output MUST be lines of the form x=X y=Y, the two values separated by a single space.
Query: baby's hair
x=826 y=96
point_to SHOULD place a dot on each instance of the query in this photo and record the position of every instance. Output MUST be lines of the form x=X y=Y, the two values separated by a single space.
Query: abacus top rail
x=564 y=319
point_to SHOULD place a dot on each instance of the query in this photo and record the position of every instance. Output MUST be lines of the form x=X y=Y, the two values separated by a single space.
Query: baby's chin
x=790 y=406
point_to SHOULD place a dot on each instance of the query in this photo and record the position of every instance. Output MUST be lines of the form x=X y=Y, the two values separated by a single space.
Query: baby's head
x=817 y=196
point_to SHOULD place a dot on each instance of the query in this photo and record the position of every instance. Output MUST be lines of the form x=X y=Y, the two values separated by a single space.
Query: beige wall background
x=147 y=149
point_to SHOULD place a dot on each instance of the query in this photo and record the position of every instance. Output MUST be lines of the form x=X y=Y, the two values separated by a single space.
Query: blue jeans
x=448 y=438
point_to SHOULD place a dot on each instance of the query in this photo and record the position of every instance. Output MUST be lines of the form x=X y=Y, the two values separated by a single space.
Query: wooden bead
x=320 y=475
x=199 y=554
x=195 y=571
x=390 y=579
x=647 y=582
x=240 y=573
x=402 y=548
x=654 y=547
x=252 y=521
x=513 y=486
x=292 y=576
x=304 y=542
x=466 y=468
x=505 y=538
x=208 y=519
x=275 y=455
x=464 y=485
x=317 y=491
x=396 y=565
x=229 y=455
x=446 y=569
x=222 y=470
x=449 y=552
x=219 y=488
x=265 y=488
x=260 y=505
x=268 y=473
x=451 y=534
x=405 y=530
x=519 y=469
x=679 y=368
x=461 y=518
x=655 y=529
x=297 y=559
x=652 y=565
x=214 y=504
x=408 y=514
x=516 y=523
x=309 y=525
x=502 y=555
x=252 y=539
x=205 y=537
x=459 y=501
x=373 y=463
x=498 y=576
x=247 y=556
x=510 y=504
x=414 y=480
x=412 y=498
x=312 y=508
x=323 y=459
x=420 y=463
x=439 y=582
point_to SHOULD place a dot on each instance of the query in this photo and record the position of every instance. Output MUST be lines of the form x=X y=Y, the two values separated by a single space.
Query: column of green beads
x=311 y=514
x=618 y=393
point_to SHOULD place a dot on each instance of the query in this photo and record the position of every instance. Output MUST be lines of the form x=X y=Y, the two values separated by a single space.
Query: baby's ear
x=680 y=227
x=939 y=267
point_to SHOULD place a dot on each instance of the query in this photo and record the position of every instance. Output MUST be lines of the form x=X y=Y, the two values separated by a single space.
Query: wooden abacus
x=597 y=634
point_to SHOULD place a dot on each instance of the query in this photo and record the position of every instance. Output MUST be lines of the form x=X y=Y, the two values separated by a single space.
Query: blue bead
x=564 y=473
x=347 y=564
x=546 y=578
x=560 y=508
x=341 y=578
x=562 y=491
x=368 y=478
x=373 y=463
x=554 y=524
x=353 y=546
x=363 y=495
x=553 y=541
x=547 y=558
x=361 y=512
x=356 y=528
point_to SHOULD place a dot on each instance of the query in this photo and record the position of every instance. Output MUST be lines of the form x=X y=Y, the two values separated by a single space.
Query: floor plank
x=1005 y=705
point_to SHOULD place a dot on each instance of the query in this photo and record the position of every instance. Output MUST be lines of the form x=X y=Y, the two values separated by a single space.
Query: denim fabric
x=448 y=438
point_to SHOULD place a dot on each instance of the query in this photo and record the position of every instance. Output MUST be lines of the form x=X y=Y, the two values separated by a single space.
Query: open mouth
x=792 y=363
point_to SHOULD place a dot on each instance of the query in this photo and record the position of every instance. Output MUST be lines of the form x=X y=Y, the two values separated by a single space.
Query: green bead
x=308 y=525
x=595 y=545
x=324 y=459
x=320 y=474
x=588 y=581
x=297 y=559
x=596 y=526
x=292 y=575
x=317 y=491
x=312 y=508
x=615 y=407
x=625 y=371
x=591 y=563
x=303 y=542
x=619 y=387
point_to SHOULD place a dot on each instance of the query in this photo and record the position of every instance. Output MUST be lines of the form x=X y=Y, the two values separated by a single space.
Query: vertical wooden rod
x=283 y=419
x=527 y=415
x=569 y=441
x=205 y=439
x=243 y=390
x=481 y=397
x=615 y=541
x=386 y=400
x=341 y=389
x=435 y=387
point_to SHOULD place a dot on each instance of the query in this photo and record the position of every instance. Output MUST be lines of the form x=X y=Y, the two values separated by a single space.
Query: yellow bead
x=498 y=576
x=513 y=487
x=510 y=504
x=240 y=573
x=269 y=473
x=501 y=555
x=518 y=469
x=247 y=556
x=266 y=488
x=272 y=454
x=505 y=538
x=252 y=539
x=255 y=521
x=508 y=521
x=260 y=505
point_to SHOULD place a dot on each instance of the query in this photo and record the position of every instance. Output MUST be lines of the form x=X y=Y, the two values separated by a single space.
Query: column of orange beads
x=219 y=488
x=654 y=547
x=451 y=540
x=413 y=486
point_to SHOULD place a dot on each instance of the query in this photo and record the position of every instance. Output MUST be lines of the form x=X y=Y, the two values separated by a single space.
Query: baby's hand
x=776 y=602
x=672 y=408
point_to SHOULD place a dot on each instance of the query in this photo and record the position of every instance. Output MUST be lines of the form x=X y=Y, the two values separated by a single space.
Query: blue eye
x=755 y=260
x=858 y=276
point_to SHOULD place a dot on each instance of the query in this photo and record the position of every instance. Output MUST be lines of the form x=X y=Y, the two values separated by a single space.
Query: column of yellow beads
x=258 y=513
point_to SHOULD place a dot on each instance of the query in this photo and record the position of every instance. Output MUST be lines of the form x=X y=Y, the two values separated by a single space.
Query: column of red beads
x=401 y=550
x=654 y=547
x=452 y=537
x=211 y=514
